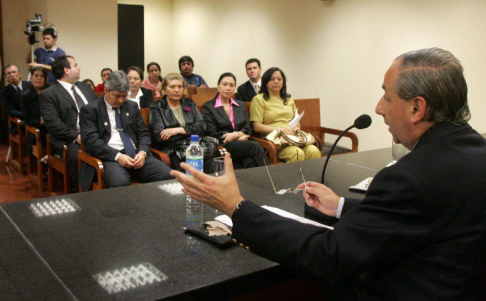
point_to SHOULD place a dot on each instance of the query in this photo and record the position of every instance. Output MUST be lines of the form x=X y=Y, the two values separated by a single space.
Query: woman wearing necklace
x=273 y=108
x=143 y=97
x=154 y=81
x=175 y=118
x=226 y=119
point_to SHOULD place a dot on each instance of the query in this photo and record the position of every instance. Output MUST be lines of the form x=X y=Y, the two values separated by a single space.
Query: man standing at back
x=11 y=93
x=248 y=90
x=45 y=56
x=60 y=105
x=420 y=231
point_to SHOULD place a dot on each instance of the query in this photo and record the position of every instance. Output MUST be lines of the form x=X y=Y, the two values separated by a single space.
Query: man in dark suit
x=11 y=93
x=60 y=105
x=113 y=131
x=248 y=90
x=420 y=232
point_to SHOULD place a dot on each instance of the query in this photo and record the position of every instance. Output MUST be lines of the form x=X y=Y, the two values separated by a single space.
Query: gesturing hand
x=320 y=197
x=221 y=193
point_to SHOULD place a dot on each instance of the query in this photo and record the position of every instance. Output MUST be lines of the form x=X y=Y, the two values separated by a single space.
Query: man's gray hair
x=117 y=81
x=436 y=75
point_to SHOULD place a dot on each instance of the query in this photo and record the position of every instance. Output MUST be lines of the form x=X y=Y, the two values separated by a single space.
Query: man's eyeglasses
x=287 y=190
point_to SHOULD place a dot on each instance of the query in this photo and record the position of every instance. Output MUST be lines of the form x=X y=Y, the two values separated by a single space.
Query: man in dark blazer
x=420 y=232
x=248 y=90
x=60 y=105
x=113 y=131
x=11 y=93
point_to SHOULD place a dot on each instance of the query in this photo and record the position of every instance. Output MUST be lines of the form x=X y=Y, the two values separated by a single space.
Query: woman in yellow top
x=273 y=108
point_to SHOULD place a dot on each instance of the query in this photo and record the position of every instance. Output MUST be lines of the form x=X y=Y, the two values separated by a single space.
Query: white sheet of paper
x=363 y=185
x=295 y=217
x=296 y=119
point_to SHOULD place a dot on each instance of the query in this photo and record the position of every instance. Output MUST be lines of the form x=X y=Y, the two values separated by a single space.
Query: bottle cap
x=194 y=138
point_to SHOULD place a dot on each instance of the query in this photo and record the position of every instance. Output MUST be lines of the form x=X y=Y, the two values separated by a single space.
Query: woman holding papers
x=226 y=119
x=274 y=109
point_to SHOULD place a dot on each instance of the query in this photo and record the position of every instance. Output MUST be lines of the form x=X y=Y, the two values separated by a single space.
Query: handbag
x=209 y=145
x=282 y=139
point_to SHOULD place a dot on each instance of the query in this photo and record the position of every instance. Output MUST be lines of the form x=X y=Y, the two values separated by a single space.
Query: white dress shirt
x=137 y=97
x=259 y=83
x=115 y=140
x=69 y=88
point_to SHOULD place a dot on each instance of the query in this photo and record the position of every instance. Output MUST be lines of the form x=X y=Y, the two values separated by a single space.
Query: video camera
x=33 y=26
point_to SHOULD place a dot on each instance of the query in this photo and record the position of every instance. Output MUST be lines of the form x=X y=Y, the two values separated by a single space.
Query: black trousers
x=152 y=171
x=246 y=154
x=73 y=149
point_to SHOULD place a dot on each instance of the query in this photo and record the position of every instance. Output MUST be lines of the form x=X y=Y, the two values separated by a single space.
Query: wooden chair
x=58 y=171
x=201 y=95
x=17 y=144
x=311 y=123
x=97 y=164
x=35 y=169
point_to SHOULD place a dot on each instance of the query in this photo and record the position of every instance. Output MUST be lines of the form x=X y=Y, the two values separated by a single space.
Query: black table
x=131 y=240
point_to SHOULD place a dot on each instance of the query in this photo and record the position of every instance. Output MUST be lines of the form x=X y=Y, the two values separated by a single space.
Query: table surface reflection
x=128 y=243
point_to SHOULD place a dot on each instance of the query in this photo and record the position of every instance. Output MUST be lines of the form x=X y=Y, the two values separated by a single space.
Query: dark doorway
x=130 y=36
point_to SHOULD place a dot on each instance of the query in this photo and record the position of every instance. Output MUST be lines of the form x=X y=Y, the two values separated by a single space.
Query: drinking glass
x=218 y=164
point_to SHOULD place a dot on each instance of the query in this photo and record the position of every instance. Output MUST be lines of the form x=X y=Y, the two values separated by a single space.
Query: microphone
x=361 y=122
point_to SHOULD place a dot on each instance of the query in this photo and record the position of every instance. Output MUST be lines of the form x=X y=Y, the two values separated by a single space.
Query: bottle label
x=196 y=163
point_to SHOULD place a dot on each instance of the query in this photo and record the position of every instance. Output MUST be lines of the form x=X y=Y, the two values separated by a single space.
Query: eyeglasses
x=287 y=190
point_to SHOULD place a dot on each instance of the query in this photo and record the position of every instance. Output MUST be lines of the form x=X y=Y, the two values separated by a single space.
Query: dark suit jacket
x=161 y=117
x=96 y=133
x=147 y=98
x=31 y=111
x=11 y=100
x=246 y=92
x=419 y=234
x=218 y=122
x=61 y=114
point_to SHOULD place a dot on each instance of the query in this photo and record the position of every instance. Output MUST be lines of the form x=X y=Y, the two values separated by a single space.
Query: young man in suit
x=113 y=131
x=420 y=231
x=11 y=93
x=60 y=105
x=249 y=89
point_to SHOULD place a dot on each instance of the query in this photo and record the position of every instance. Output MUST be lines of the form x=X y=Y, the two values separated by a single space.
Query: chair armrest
x=95 y=163
x=35 y=131
x=160 y=155
x=14 y=120
x=350 y=135
x=270 y=148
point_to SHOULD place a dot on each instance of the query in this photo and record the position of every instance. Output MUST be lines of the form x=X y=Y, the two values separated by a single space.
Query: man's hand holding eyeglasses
x=320 y=197
x=221 y=192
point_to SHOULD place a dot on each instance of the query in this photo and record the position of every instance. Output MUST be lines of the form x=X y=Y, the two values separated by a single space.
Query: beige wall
x=87 y=30
x=337 y=52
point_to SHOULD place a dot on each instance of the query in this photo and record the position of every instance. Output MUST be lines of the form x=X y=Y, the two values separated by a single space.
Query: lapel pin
x=128 y=114
x=106 y=123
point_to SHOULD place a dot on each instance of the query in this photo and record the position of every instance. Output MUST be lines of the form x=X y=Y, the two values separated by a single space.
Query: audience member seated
x=143 y=97
x=174 y=119
x=154 y=81
x=251 y=88
x=113 y=131
x=226 y=119
x=186 y=65
x=60 y=105
x=11 y=94
x=273 y=108
x=90 y=83
x=105 y=73
x=31 y=107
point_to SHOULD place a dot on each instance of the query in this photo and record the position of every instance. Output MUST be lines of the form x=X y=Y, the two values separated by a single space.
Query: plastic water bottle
x=195 y=158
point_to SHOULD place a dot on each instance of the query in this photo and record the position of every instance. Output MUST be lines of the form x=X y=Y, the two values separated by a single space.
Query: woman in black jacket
x=31 y=110
x=173 y=119
x=226 y=119
x=144 y=97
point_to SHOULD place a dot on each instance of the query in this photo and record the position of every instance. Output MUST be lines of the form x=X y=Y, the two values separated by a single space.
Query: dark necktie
x=78 y=99
x=19 y=91
x=127 y=142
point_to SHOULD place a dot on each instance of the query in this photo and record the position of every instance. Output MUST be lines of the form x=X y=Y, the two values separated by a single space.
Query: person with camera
x=45 y=56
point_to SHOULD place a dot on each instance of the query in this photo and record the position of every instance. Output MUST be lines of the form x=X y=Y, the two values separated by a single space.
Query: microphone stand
x=332 y=150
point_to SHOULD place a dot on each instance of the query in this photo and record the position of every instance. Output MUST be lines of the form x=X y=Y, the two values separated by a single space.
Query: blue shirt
x=47 y=57
x=194 y=79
